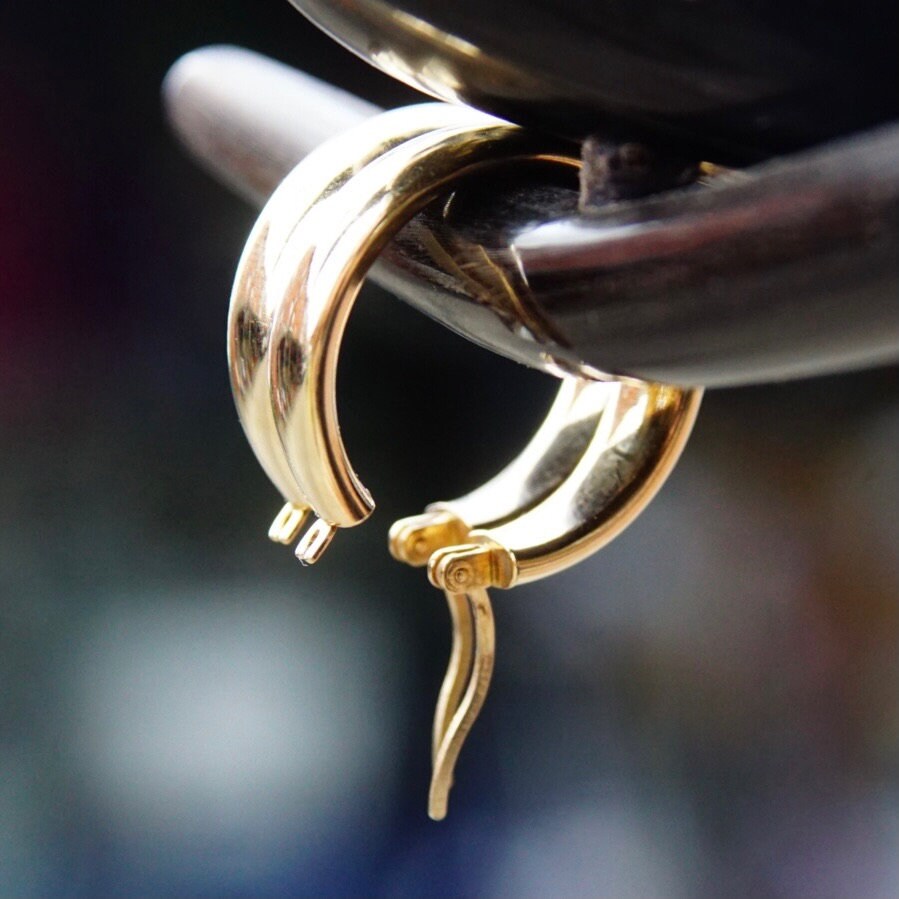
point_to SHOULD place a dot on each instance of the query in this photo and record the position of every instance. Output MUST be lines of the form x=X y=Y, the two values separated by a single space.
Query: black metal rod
x=784 y=270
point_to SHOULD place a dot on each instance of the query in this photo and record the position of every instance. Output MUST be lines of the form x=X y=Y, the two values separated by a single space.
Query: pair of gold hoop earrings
x=603 y=451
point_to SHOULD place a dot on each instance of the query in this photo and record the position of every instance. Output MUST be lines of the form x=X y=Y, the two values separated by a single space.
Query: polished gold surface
x=605 y=478
x=455 y=715
x=254 y=300
x=581 y=421
x=633 y=450
x=603 y=450
x=318 y=276
x=600 y=475
x=299 y=275
x=541 y=467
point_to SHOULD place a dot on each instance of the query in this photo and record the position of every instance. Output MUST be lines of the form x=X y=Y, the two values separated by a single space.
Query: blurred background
x=708 y=707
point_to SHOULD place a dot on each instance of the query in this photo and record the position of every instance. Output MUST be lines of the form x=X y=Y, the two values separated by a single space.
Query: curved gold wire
x=542 y=466
x=317 y=278
x=254 y=301
x=479 y=617
x=458 y=669
x=602 y=452
x=549 y=458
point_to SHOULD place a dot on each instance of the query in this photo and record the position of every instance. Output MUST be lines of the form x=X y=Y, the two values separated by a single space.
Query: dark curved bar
x=784 y=270
x=789 y=271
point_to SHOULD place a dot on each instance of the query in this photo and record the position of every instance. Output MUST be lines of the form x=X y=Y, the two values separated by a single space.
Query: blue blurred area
x=708 y=707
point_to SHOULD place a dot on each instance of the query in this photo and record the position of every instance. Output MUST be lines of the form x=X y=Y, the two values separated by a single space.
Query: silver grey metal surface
x=784 y=270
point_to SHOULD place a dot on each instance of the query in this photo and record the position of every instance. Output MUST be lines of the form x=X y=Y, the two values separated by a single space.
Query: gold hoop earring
x=602 y=452
x=254 y=301
x=318 y=276
x=635 y=441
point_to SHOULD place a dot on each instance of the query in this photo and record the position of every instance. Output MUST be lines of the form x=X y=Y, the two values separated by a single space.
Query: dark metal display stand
x=786 y=269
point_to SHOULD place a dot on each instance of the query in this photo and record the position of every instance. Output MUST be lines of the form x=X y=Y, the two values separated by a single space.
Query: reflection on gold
x=602 y=453
x=430 y=59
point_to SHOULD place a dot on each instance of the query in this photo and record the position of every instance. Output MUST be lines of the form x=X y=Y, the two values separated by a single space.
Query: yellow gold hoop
x=603 y=451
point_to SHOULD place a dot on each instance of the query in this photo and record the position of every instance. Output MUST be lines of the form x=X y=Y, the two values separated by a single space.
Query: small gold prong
x=471 y=566
x=604 y=450
x=413 y=540
x=287 y=523
x=315 y=541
